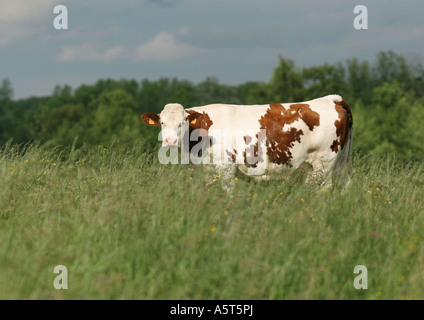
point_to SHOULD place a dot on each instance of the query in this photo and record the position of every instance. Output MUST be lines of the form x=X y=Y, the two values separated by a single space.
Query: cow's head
x=174 y=122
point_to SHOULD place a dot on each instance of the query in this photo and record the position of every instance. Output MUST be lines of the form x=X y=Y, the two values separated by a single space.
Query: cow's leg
x=331 y=169
x=322 y=169
x=226 y=174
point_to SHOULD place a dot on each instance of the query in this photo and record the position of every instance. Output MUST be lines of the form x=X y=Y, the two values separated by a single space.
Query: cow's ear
x=195 y=120
x=152 y=119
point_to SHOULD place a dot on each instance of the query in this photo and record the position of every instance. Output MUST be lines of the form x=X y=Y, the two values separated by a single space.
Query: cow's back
x=229 y=116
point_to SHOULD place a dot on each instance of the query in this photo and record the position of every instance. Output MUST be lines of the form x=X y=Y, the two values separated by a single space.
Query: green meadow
x=81 y=187
x=127 y=227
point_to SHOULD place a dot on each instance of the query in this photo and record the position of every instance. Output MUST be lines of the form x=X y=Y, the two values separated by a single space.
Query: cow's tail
x=344 y=167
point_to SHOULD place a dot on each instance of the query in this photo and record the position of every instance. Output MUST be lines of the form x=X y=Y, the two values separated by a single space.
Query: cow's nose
x=170 y=142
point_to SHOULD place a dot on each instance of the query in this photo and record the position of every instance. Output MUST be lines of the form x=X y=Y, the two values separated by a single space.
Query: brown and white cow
x=265 y=139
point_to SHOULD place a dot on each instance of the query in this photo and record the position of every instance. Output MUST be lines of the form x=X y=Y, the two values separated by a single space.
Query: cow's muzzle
x=170 y=142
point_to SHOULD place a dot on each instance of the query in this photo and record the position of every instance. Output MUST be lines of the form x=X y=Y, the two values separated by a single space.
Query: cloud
x=88 y=52
x=24 y=10
x=184 y=31
x=163 y=47
x=80 y=33
x=19 y=19
x=15 y=33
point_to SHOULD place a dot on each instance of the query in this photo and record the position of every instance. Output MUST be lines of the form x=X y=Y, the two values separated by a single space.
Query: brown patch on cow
x=311 y=118
x=152 y=119
x=343 y=125
x=197 y=120
x=280 y=142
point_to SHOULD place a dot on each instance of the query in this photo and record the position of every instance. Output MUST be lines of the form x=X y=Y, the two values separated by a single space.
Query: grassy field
x=127 y=227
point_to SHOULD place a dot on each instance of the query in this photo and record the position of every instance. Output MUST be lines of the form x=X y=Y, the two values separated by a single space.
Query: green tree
x=6 y=90
x=182 y=92
x=154 y=95
x=286 y=82
x=323 y=80
x=366 y=134
x=211 y=91
x=360 y=80
x=7 y=119
x=261 y=93
x=391 y=66
x=114 y=119
x=245 y=92
x=410 y=135
x=62 y=125
x=391 y=124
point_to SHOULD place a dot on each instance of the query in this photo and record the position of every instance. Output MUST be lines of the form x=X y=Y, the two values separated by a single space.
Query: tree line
x=386 y=97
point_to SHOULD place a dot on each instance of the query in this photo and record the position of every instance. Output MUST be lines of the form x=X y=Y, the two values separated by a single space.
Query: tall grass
x=127 y=227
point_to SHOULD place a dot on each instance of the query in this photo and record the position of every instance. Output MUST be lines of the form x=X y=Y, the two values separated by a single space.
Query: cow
x=267 y=140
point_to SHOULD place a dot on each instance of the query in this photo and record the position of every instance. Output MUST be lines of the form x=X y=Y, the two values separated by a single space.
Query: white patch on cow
x=229 y=125
x=172 y=119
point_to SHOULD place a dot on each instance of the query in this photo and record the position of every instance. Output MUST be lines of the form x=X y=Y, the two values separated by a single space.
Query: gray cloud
x=21 y=19
x=89 y=52
x=164 y=46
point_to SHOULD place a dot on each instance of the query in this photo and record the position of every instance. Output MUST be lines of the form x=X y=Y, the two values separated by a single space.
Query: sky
x=233 y=40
